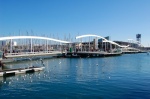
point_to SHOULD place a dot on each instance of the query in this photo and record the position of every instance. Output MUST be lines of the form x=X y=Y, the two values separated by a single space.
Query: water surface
x=121 y=77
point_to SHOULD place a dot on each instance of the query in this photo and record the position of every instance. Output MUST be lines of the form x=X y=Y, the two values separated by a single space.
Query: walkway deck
x=91 y=54
x=13 y=57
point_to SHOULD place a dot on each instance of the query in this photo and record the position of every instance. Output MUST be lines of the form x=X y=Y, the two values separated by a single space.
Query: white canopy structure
x=31 y=37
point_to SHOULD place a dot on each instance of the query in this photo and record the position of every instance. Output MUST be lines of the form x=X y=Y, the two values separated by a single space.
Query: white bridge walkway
x=9 y=55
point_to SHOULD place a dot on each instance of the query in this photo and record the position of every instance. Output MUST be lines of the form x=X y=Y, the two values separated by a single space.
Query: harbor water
x=121 y=77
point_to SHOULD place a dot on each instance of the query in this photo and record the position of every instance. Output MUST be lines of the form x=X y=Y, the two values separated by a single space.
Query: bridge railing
x=31 y=53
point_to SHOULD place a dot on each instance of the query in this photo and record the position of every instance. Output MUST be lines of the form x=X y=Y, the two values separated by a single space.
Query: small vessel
x=130 y=50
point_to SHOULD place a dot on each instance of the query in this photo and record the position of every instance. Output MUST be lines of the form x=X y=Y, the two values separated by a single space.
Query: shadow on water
x=24 y=64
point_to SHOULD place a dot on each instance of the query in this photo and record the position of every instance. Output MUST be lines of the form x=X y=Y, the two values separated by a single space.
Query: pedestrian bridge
x=32 y=37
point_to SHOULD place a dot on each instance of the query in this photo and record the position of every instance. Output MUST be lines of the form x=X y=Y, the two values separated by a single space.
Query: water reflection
x=94 y=69
x=64 y=70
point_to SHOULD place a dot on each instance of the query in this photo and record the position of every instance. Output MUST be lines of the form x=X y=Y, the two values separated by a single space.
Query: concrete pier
x=12 y=72
x=14 y=57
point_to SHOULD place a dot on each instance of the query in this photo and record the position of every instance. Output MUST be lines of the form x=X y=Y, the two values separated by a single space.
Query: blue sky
x=119 y=19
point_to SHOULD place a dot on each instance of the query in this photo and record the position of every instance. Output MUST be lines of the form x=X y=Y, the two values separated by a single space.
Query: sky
x=119 y=19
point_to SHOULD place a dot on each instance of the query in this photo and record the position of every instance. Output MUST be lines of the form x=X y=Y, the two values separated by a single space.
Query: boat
x=130 y=50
